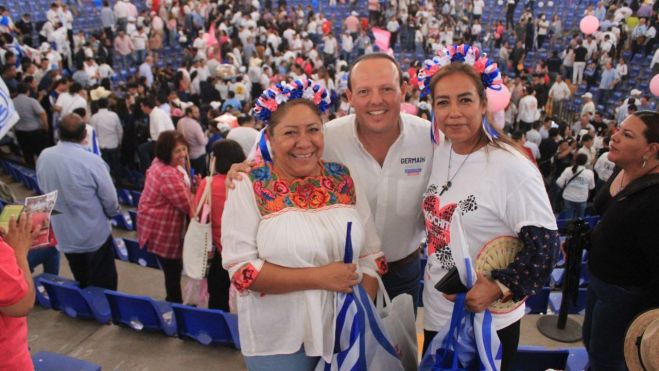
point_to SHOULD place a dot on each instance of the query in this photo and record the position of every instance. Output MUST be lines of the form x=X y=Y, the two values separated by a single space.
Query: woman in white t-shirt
x=483 y=187
x=576 y=182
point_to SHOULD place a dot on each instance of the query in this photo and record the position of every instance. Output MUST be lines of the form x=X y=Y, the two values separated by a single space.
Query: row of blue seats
x=23 y=175
x=140 y=313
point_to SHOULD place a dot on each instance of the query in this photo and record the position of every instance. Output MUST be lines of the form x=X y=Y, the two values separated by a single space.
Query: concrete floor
x=120 y=348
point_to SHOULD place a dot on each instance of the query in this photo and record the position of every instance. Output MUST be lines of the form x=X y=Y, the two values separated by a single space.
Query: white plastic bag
x=400 y=325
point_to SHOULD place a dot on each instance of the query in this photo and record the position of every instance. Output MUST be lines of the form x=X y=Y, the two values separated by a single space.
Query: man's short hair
x=375 y=56
x=22 y=88
x=149 y=101
x=188 y=110
x=72 y=128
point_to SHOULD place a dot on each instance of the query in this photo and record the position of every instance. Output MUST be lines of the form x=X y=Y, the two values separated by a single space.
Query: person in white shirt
x=527 y=110
x=110 y=133
x=588 y=104
x=346 y=46
x=121 y=14
x=576 y=182
x=288 y=282
x=534 y=135
x=604 y=167
x=244 y=134
x=330 y=48
x=159 y=121
x=588 y=149
x=559 y=92
x=139 y=39
x=67 y=102
x=146 y=71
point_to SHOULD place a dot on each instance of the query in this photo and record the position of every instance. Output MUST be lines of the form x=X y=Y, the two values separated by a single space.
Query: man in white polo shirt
x=389 y=155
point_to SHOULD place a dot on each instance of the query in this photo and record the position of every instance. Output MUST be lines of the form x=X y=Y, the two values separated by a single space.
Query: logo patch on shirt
x=413 y=171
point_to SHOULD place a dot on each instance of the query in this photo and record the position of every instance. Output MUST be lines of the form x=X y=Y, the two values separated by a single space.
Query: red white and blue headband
x=464 y=53
x=277 y=95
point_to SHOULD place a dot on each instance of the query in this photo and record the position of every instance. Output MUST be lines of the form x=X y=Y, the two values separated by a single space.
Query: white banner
x=8 y=115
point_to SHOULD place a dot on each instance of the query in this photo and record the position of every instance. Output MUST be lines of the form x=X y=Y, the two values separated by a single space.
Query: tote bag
x=360 y=340
x=198 y=240
x=399 y=323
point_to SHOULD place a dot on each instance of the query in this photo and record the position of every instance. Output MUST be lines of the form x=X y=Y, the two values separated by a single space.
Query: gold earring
x=645 y=162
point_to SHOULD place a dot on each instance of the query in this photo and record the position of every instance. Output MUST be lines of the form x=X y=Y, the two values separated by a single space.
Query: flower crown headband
x=464 y=53
x=277 y=95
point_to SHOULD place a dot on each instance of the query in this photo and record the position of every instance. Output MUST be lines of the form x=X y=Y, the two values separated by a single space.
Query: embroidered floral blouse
x=299 y=223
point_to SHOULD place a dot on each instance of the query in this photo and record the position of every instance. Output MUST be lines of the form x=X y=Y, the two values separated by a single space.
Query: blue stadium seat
x=556 y=277
x=207 y=326
x=88 y=303
x=141 y=312
x=47 y=361
x=578 y=308
x=139 y=255
x=40 y=290
x=125 y=197
x=122 y=221
x=539 y=359
x=120 y=250
x=232 y=322
x=577 y=360
x=536 y=304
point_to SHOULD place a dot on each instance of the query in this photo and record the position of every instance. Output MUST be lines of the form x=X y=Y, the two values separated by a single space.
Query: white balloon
x=541 y=4
x=500 y=2
x=550 y=3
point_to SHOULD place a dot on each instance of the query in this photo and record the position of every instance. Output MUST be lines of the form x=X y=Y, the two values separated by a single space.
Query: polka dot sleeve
x=531 y=268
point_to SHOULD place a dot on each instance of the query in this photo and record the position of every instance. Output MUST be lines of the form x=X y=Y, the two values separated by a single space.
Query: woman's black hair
x=579 y=160
x=651 y=120
x=227 y=152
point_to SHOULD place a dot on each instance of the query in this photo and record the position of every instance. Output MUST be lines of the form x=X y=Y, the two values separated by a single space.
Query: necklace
x=449 y=178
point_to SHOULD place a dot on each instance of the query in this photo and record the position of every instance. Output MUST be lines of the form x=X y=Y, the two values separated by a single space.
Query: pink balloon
x=654 y=85
x=499 y=120
x=497 y=100
x=589 y=24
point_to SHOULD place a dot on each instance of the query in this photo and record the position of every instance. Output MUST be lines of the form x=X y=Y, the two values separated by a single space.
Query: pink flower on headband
x=270 y=104
x=433 y=70
x=318 y=97
x=479 y=65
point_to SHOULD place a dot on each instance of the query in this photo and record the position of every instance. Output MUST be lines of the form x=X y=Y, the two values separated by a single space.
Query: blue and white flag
x=8 y=114
x=469 y=342
x=360 y=342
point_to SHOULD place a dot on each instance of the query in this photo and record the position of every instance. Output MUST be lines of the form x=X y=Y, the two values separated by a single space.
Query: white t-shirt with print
x=496 y=192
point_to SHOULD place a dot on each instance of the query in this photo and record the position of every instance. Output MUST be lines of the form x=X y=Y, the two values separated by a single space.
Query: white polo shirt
x=395 y=189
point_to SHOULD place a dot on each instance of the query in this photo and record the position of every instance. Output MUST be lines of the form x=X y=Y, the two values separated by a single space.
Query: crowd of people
x=340 y=132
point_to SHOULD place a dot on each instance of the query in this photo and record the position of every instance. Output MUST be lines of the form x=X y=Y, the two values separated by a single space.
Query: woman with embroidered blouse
x=283 y=234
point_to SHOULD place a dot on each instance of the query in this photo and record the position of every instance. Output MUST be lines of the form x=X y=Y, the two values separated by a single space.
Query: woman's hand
x=484 y=293
x=235 y=173
x=20 y=235
x=338 y=276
